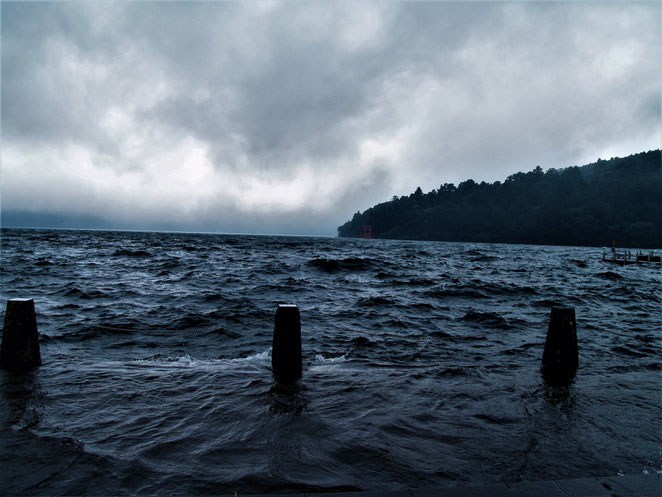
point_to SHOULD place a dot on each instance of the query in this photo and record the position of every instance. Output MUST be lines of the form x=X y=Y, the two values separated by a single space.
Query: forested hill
x=618 y=199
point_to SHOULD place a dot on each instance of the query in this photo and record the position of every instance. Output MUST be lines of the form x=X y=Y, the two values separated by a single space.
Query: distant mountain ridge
x=617 y=199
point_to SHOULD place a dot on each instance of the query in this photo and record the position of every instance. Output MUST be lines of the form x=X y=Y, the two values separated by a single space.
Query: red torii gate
x=367 y=231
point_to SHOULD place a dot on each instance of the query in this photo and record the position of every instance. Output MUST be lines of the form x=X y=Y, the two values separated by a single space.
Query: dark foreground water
x=421 y=365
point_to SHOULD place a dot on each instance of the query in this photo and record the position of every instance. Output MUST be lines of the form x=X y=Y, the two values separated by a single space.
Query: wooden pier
x=625 y=258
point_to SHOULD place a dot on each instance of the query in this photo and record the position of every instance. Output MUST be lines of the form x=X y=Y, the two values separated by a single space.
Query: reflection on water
x=287 y=398
x=22 y=396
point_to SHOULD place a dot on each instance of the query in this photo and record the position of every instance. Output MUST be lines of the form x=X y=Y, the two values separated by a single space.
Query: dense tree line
x=618 y=199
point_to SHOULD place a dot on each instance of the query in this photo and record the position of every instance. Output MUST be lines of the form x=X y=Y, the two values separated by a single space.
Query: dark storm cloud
x=266 y=114
x=299 y=96
x=288 y=96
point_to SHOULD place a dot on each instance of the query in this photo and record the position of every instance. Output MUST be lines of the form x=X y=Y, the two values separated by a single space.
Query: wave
x=469 y=292
x=442 y=334
x=374 y=301
x=132 y=253
x=548 y=303
x=609 y=275
x=347 y=264
x=188 y=362
x=493 y=419
x=505 y=289
x=362 y=341
x=323 y=359
x=75 y=292
x=490 y=319
x=453 y=372
x=413 y=282
x=476 y=255
x=72 y=291
x=213 y=297
x=629 y=352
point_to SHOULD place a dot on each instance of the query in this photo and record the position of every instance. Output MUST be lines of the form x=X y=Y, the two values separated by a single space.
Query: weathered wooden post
x=560 y=358
x=286 y=349
x=20 y=338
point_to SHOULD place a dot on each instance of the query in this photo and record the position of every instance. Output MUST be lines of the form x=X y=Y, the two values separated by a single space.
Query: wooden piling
x=561 y=355
x=20 y=338
x=286 y=350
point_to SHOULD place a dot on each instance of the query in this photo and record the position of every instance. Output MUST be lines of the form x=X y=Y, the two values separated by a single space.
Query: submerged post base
x=20 y=338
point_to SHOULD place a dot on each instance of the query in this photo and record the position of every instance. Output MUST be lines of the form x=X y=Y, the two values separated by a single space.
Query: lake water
x=421 y=365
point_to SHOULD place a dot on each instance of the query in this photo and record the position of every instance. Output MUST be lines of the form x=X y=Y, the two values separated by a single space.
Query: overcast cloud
x=288 y=117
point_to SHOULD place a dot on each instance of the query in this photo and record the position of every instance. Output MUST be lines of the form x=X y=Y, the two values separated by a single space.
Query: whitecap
x=321 y=358
x=186 y=361
x=258 y=357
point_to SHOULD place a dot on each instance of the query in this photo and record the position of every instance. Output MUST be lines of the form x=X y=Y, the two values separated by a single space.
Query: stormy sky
x=288 y=117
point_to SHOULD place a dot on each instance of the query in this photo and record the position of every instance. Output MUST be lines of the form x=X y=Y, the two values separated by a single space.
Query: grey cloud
x=469 y=89
x=291 y=104
x=38 y=101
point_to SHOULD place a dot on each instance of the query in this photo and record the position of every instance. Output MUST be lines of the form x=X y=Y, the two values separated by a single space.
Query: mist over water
x=421 y=364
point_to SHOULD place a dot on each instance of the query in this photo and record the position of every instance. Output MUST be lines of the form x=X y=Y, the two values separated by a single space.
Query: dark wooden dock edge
x=609 y=486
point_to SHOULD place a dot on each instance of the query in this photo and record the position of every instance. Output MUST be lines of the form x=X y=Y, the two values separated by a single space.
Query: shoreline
x=608 y=486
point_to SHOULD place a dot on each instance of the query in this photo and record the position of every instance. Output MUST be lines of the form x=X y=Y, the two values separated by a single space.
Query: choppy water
x=421 y=365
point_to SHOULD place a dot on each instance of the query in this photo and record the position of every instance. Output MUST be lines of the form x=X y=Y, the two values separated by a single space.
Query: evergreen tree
x=618 y=199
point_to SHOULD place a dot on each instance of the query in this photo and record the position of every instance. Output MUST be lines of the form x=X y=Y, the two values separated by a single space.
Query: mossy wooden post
x=286 y=349
x=20 y=339
x=560 y=358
